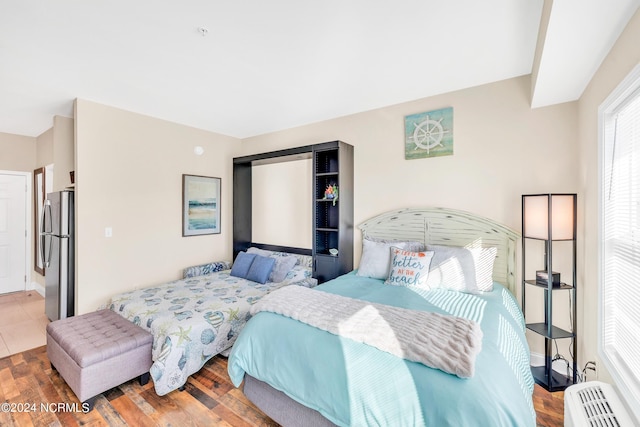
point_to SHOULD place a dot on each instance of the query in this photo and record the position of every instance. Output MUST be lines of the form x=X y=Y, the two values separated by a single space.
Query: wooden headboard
x=441 y=226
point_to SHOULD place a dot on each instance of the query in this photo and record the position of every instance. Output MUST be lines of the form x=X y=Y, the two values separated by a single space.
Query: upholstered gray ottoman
x=97 y=351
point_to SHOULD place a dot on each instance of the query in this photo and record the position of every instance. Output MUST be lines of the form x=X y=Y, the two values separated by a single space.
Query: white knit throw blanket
x=439 y=341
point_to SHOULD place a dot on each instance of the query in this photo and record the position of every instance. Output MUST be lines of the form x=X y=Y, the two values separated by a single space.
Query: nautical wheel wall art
x=428 y=134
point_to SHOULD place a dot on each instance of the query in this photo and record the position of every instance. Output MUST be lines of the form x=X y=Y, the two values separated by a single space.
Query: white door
x=13 y=233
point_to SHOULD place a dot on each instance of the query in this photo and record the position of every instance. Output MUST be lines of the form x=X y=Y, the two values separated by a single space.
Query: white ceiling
x=270 y=65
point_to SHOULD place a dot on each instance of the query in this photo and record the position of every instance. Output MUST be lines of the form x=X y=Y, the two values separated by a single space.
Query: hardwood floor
x=549 y=407
x=40 y=397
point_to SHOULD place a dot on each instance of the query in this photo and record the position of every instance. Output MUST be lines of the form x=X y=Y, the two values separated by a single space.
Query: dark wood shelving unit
x=332 y=223
x=333 y=220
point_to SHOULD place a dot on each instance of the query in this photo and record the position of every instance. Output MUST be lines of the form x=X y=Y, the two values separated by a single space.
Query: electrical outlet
x=108 y=232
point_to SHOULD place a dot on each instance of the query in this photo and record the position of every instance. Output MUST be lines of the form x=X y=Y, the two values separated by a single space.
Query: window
x=619 y=327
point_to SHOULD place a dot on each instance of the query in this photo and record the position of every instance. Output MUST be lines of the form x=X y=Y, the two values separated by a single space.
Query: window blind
x=620 y=251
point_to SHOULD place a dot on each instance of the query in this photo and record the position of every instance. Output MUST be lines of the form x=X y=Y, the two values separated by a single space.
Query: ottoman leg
x=87 y=405
x=144 y=378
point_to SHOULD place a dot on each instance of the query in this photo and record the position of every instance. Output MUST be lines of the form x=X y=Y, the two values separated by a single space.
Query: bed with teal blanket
x=349 y=383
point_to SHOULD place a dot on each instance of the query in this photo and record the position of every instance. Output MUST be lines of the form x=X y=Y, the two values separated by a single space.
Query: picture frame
x=428 y=134
x=200 y=205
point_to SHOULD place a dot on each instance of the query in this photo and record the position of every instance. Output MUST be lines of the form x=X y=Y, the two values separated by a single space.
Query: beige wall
x=56 y=146
x=281 y=203
x=44 y=154
x=502 y=149
x=63 y=152
x=129 y=168
x=17 y=153
x=129 y=177
x=623 y=57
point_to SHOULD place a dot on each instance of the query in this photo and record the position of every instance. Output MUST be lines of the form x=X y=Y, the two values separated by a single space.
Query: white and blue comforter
x=353 y=384
x=194 y=319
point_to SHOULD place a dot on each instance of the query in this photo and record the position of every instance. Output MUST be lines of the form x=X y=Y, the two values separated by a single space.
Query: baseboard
x=560 y=366
x=38 y=288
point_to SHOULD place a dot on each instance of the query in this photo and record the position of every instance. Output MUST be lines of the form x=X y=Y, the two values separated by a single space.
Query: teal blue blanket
x=353 y=384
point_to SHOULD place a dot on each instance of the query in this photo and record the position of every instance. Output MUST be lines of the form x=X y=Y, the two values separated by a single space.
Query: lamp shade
x=549 y=216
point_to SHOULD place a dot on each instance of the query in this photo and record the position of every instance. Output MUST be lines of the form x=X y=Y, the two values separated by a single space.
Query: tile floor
x=22 y=322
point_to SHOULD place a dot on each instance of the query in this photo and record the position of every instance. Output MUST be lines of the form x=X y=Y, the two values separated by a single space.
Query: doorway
x=14 y=232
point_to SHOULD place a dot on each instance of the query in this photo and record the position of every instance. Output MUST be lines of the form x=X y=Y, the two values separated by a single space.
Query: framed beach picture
x=200 y=205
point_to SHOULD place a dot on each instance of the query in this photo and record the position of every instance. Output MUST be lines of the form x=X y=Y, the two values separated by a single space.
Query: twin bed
x=294 y=371
x=198 y=317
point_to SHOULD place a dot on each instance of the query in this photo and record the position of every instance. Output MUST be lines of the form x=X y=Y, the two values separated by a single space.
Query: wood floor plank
x=200 y=395
x=50 y=395
x=9 y=388
x=131 y=413
x=218 y=385
x=199 y=414
x=20 y=418
x=166 y=412
x=32 y=398
x=5 y=362
x=549 y=407
x=209 y=399
x=5 y=419
x=231 y=417
x=108 y=413
x=239 y=404
x=134 y=394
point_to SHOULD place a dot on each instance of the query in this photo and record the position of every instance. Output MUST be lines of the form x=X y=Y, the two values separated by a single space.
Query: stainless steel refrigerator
x=56 y=234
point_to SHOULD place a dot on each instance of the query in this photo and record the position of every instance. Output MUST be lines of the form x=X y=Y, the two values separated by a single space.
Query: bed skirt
x=280 y=407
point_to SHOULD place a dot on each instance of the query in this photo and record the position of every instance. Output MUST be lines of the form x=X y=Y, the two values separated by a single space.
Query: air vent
x=596 y=407
x=594 y=404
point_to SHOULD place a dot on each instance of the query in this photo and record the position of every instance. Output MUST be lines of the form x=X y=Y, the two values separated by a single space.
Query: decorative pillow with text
x=409 y=268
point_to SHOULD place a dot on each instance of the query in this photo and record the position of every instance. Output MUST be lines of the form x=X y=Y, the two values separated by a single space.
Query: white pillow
x=410 y=245
x=461 y=269
x=376 y=256
x=409 y=268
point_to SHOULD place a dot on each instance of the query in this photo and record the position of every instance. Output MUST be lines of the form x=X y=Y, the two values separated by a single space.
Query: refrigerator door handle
x=46 y=259
x=47 y=208
x=42 y=243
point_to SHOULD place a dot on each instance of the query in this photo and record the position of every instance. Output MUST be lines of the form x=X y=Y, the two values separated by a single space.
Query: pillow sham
x=241 y=265
x=284 y=262
x=409 y=268
x=260 y=269
x=282 y=266
x=410 y=245
x=461 y=269
x=376 y=256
